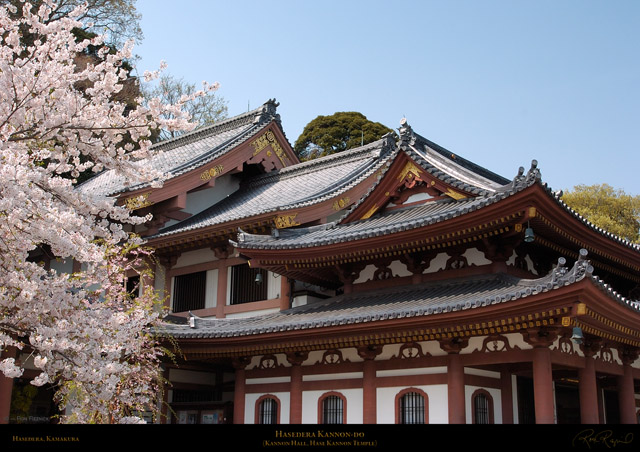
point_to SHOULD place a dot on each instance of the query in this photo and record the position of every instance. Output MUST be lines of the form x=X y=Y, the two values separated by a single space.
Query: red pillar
x=543 y=386
x=221 y=294
x=506 y=396
x=240 y=390
x=626 y=396
x=455 y=385
x=295 y=398
x=295 y=392
x=588 y=389
x=369 y=401
x=369 y=397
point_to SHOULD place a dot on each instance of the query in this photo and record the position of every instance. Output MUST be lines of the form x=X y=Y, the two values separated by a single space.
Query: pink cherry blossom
x=86 y=334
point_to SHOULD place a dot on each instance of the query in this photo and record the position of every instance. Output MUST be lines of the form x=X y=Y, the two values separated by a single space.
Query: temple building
x=393 y=283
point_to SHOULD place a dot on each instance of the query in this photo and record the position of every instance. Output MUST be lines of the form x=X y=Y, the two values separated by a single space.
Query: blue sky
x=497 y=82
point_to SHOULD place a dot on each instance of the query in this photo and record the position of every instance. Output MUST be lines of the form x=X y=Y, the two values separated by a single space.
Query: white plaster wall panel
x=337 y=376
x=438 y=263
x=194 y=257
x=530 y=265
x=211 y=288
x=433 y=348
x=476 y=257
x=354 y=405
x=238 y=315
x=496 y=395
x=481 y=372
x=418 y=197
x=250 y=406
x=366 y=274
x=388 y=352
x=437 y=400
x=412 y=371
x=268 y=380
x=273 y=290
x=399 y=269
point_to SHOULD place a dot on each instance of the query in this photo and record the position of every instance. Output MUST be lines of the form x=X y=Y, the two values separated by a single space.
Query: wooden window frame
x=321 y=401
x=261 y=399
x=406 y=391
x=490 y=405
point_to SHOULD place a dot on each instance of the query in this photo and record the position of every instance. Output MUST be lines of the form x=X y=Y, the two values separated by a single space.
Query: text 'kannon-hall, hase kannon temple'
x=396 y=282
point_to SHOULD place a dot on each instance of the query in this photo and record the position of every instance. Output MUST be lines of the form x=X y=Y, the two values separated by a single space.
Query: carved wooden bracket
x=222 y=251
x=454 y=345
x=168 y=260
x=368 y=352
x=332 y=356
x=411 y=350
x=240 y=362
x=541 y=337
x=628 y=355
x=268 y=362
x=297 y=358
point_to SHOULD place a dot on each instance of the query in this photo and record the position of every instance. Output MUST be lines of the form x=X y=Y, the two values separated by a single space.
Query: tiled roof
x=182 y=154
x=292 y=187
x=399 y=302
x=386 y=222
x=447 y=166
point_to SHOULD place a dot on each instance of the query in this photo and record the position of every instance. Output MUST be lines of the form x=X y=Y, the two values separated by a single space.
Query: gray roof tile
x=292 y=187
x=398 y=302
x=189 y=151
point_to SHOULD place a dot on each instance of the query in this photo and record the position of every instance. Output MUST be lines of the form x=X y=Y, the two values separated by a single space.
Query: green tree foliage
x=118 y=20
x=336 y=133
x=608 y=208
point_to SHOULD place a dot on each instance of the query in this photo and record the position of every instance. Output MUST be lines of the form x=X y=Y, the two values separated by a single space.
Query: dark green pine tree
x=327 y=135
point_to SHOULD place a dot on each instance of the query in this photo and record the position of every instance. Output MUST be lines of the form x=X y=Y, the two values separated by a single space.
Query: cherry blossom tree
x=85 y=333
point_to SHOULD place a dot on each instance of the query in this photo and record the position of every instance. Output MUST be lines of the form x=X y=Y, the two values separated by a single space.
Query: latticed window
x=268 y=411
x=244 y=287
x=332 y=410
x=481 y=409
x=412 y=408
x=189 y=291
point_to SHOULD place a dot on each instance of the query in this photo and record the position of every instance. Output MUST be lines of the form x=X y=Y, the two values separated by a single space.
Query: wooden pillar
x=295 y=392
x=369 y=389
x=541 y=339
x=626 y=392
x=286 y=293
x=506 y=396
x=221 y=293
x=588 y=388
x=6 y=388
x=543 y=386
x=239 y=395
x=455 y=380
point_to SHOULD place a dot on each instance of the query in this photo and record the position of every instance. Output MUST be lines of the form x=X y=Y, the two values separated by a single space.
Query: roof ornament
x=562 y=275
x=407 y=136
x=192 y=320
x=267 y=112
x=523 y=180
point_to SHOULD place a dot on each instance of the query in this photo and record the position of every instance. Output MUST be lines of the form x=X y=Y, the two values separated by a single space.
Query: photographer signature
x=590 y=437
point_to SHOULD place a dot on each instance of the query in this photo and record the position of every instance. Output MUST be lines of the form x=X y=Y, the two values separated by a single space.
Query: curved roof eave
x=390 y=304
